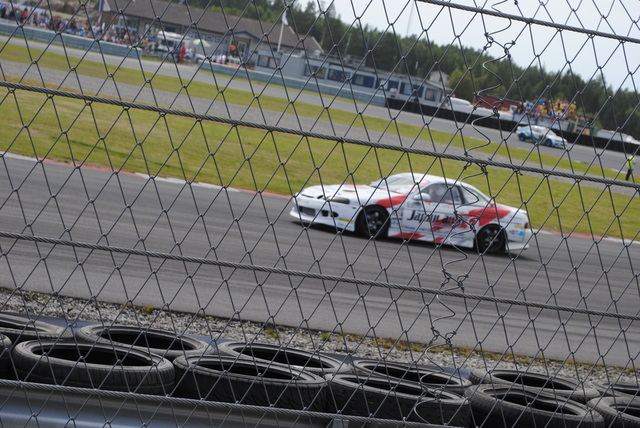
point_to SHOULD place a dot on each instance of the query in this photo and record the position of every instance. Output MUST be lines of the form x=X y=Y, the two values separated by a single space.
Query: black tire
x=548 y=143
x=490 y=239
x=99 y=366
x=618 y=411
x=618 y=389
x=557 y=386
x=231 y=380
x=373 y=222
x=159 y=342
x=20 y=328
x=497 y=406
x=5 y=357
x=291 y=358
x=522 y=137
x=377 y=397
x=426 y=378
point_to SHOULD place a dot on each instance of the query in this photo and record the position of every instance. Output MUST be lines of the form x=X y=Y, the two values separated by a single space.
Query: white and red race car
x=418 y=207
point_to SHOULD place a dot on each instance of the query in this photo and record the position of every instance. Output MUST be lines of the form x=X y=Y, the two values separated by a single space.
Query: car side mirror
x=424 y=197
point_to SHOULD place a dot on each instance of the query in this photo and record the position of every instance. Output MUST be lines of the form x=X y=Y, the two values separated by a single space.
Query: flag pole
x=284 y=22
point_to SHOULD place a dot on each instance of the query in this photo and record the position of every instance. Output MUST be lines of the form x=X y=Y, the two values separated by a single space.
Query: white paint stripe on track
x=598 y=238
x=183 y=182
x=145 y=176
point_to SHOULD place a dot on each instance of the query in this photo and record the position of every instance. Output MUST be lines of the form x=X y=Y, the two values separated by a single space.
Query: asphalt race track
x=242 y=228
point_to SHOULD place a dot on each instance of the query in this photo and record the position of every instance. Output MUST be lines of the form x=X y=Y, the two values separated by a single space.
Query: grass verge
x=131 y=140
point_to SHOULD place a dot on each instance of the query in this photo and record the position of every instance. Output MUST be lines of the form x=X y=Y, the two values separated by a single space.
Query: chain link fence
x=290 y=213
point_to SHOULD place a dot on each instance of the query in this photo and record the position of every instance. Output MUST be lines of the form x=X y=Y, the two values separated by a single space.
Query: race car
x=416 y=207
x=540 y=134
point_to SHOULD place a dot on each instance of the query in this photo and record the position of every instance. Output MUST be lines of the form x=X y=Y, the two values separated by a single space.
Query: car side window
x=441 y=193
x=455 y=195
x=469 y=197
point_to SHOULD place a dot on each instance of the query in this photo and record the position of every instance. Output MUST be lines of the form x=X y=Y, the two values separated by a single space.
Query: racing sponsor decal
x=423 y=217
x=391 y=201
x=486 y=215
x=408 y=235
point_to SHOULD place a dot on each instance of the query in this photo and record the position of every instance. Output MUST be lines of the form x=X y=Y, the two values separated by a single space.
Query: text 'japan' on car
x=417 y=207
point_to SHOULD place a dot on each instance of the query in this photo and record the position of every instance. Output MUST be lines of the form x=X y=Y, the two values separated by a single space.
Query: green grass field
x=139 y=141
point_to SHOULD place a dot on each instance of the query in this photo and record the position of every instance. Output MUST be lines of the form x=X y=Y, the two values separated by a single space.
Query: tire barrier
x=499 y=406
x=618 y=389
x=20 y=328
x=429 y=378
x=231 y=380
x=559 y=386
x=159 y=342
x=389 y=398
x=619 y=411
x=99 y=366
x=288 y=357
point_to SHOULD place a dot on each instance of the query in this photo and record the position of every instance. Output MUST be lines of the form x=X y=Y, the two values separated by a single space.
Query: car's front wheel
x=372 y=222
x=490 y=239
x=522 y=137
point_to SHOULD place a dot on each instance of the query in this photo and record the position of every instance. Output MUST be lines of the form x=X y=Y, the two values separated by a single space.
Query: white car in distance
x=541 y=135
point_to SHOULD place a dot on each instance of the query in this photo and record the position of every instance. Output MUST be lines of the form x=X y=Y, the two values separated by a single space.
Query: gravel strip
x=77 y=312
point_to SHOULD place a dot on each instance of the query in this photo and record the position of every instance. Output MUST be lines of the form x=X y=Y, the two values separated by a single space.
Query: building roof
x=189 y=18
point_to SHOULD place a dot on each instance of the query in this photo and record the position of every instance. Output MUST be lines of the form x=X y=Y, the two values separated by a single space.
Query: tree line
x=472 y=72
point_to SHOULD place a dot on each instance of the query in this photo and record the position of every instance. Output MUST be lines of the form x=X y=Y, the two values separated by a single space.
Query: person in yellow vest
x=631 y=163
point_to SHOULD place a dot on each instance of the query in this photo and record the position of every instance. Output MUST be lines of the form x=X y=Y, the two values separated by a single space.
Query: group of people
x=42 y=19
x=548 y=109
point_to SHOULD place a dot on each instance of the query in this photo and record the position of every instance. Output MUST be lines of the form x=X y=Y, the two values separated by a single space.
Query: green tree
x=461 y=83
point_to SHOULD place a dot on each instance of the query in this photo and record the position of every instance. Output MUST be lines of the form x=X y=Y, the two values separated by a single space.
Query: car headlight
x=338 y=200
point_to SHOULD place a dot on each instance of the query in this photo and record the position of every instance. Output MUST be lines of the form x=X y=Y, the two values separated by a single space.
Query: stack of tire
x=509 y=398
x=149 y=361
x=619 y=404
x=258 y=374
x=381 y=389
x=16 y=329
x=112 y=358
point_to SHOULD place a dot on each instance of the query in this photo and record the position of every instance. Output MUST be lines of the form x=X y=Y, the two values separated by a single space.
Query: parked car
x=417 y=207
x=465 y=106
x=541 y=134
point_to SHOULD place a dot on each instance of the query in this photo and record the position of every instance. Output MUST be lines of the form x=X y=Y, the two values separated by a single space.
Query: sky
x=589 y=57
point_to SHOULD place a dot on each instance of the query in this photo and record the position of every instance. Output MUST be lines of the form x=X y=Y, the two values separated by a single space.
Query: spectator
x=631 y=163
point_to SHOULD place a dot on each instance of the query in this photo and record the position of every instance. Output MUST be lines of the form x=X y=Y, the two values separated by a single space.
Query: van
x=170 y=42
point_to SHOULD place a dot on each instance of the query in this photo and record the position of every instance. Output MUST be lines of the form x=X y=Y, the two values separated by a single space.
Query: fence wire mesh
x=319 y=213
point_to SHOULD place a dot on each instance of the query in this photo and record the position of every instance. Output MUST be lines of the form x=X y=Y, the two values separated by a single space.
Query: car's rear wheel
x=490 y=239
x=372 y=222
